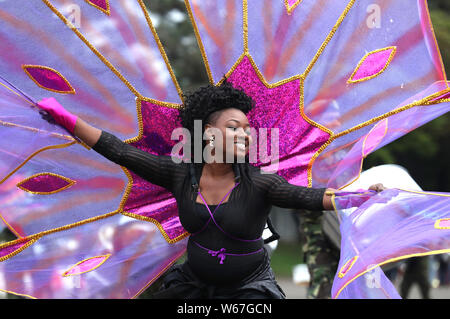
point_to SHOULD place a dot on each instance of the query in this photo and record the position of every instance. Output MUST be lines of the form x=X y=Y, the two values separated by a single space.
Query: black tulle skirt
x=181 y=283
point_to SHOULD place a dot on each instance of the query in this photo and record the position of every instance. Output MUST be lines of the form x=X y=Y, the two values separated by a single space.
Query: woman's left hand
x=377 y=187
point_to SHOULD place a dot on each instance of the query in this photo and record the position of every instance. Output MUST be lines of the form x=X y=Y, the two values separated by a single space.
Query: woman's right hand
x=59 y=113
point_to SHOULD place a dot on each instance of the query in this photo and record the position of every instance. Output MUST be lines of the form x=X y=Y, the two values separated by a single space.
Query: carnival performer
x=223 y=205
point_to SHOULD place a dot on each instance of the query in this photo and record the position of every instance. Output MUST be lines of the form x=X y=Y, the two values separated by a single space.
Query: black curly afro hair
x=206 y=103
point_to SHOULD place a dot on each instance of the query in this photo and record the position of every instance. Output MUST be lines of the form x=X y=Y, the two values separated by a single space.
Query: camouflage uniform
x=320 y=255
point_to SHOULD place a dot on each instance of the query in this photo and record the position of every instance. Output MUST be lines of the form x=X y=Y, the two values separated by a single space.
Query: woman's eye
x=233 y=128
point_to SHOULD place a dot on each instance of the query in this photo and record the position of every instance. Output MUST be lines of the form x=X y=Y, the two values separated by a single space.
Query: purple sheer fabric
x=389 y=226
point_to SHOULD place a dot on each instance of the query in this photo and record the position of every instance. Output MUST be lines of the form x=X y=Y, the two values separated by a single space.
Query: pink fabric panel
x=372 y=64
x=49 y=79
x=10 y=249
x=44 y=183
x=86 y=265
x=146 y=199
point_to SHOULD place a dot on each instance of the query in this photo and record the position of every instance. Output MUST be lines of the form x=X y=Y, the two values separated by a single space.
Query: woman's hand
x=75 y=125
x=59 y=113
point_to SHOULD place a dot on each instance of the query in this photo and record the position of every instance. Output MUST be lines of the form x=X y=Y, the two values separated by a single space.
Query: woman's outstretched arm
x=159 y=170
x=86 y=132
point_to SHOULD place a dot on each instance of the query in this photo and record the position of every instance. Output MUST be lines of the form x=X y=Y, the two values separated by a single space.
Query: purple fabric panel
x=278 y=107
x=49 y=79
x=372 y=64
x=44 y=183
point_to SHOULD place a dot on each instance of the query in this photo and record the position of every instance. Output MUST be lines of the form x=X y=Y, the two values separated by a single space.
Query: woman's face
x=235 y=137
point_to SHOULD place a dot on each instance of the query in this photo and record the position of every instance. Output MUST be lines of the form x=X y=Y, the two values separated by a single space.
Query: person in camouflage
x=320 y=255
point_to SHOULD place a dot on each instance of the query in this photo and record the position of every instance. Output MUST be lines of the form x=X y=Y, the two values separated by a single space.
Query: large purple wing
x=104 y=62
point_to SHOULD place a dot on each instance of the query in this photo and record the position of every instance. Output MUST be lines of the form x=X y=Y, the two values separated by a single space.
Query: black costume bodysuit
x=238 y=230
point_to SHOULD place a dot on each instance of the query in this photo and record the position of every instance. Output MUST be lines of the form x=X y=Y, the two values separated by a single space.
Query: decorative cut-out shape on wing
x=11 y=249
x=443 y=223
x=372 y=64
x=86 y=265
x=102 y=5
x=45 y=183
x=48 y=78
x=347 y=266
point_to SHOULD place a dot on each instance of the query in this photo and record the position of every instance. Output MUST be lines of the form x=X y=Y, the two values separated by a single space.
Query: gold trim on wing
x=148 y=219
x=245 y=25
x=328 y=38
x=361 y=62
x=105 y=258
x=93 y=49
x=369 y=122
x=25 y=68
x=363 y=148
x=435 y=42
x=70 y=182
x=18 y=250
x=199 y=41
x=161 y=48
x=434 y=252
x=291 y=8
x=347 y=266
x=10 y=227
x=157 y=224
x=35 y=153
x=17 y=294
x=62 y=228
x=393 y=112
x=160 y=273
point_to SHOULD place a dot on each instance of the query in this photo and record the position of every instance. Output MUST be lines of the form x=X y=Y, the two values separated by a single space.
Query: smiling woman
x=223 y=205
